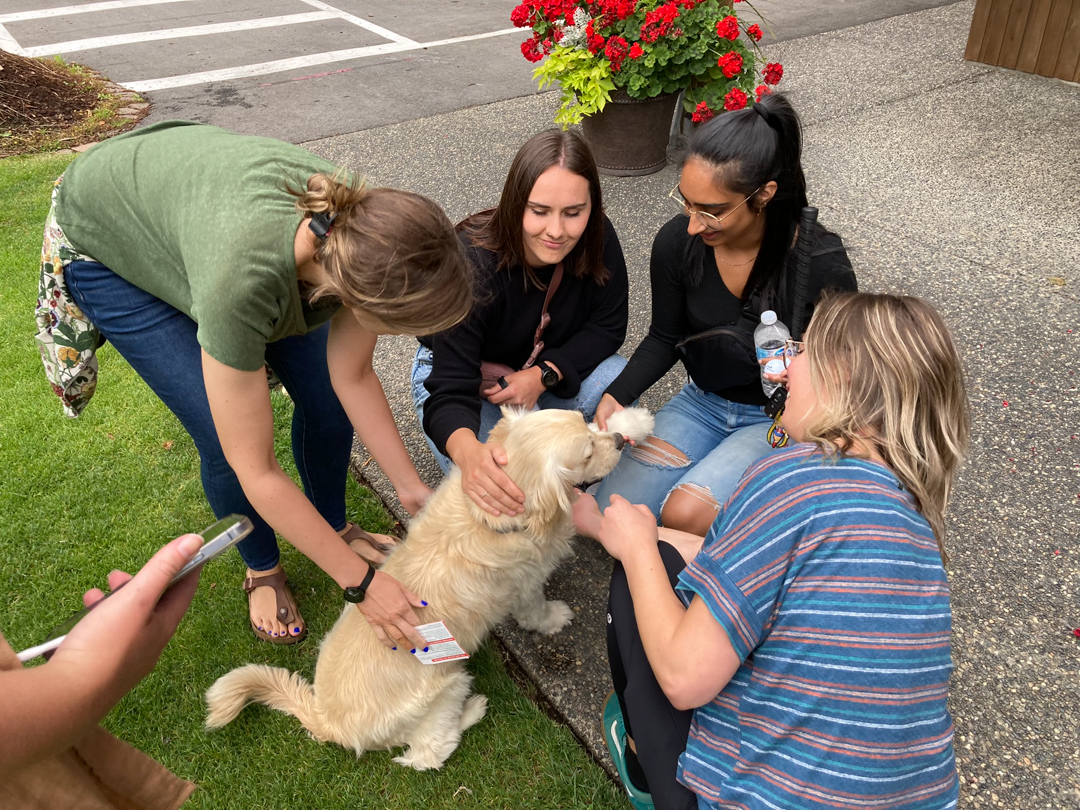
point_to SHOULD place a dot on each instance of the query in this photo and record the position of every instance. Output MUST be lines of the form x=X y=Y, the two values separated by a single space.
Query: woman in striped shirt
x=799 y=656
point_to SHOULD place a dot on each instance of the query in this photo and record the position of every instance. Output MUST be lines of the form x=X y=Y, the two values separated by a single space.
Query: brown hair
x=500 y=229
x=390 y=253
x=888 y=374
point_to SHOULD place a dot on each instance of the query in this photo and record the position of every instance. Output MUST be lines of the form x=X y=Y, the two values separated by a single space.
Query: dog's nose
x=620 y=440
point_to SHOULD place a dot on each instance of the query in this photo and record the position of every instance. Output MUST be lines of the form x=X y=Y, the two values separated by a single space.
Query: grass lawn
x=81 y=497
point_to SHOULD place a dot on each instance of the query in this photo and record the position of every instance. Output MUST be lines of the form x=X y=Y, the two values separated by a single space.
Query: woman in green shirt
x=204 y=256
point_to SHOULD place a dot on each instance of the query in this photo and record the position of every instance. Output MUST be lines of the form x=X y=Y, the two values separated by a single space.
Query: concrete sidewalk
x=949 y=180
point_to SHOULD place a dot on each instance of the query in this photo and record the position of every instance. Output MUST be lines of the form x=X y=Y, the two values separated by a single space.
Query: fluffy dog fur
x=473 y=569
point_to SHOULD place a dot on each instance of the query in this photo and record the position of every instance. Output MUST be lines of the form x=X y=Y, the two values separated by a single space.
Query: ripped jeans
x=719 y=438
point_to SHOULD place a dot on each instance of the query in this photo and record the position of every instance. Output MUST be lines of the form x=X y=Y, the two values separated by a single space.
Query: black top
x=722 y=362
x=588 y=325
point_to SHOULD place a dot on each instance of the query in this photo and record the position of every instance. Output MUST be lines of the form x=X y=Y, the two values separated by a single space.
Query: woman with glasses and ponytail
x=205 y=257
x=728 y=256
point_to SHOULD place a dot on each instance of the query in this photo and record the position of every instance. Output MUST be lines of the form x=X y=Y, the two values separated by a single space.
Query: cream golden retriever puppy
x=474 y=569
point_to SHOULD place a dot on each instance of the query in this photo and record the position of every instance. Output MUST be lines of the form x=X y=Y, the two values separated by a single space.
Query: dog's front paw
x=552 y=617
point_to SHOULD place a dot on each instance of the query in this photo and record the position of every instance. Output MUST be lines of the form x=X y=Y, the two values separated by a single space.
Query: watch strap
x=358 y=592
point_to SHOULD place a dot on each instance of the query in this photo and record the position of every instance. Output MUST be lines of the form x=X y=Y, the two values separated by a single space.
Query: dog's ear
x=512 y=413
x=537 y=448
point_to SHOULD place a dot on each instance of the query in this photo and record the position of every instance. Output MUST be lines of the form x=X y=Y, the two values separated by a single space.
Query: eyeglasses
x=792 y=349
x=710 y=221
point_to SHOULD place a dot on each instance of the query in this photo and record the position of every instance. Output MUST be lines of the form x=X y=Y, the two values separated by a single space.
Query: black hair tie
x=321 y=223
x=763 y=111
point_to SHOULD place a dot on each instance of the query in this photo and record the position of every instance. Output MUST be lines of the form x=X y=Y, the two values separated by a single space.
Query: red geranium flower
x=728 y=28
x=530 y=49
x=735 y=99
x=730 y=63
x=761 y=90
x=616 y=51
x=773 y=73
x=636 y=51
x=755 y=32
x=658 y=22
x=593 y=39
x=520 y=16
x=702 y=113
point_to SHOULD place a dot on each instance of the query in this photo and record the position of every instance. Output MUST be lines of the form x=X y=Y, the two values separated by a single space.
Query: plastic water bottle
x=769 y=338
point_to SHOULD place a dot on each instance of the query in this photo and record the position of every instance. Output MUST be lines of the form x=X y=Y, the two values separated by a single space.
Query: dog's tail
x=274 y=686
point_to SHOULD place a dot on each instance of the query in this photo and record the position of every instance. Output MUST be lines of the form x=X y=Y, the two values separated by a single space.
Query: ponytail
x=390 y=253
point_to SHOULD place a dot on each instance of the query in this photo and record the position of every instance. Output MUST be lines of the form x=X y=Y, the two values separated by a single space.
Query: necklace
x=716 y=253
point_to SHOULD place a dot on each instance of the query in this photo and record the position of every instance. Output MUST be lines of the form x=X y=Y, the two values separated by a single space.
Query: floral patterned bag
x=66 y=339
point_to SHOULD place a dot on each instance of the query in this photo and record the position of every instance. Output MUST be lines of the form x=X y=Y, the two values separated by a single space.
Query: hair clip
x=321 y=224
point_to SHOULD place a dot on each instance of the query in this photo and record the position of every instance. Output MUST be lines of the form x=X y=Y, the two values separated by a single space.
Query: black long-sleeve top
x=682 y=307
x=588 y=325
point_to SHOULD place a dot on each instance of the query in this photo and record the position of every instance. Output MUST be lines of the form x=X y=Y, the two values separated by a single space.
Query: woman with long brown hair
x=546 y=252
x=204 y=257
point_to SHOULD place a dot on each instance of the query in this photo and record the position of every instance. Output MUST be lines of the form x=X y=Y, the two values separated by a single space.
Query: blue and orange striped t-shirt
x=830 y=586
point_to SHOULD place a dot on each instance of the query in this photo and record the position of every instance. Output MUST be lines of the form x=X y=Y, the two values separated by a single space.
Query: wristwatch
x=548 y=375
x=357 y=593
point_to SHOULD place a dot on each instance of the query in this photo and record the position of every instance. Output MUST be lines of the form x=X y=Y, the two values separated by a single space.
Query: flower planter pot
x=629 y=137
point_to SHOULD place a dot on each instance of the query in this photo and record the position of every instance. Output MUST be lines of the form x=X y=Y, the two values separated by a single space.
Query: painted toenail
x=296 y=631
x=393 y=648
x=425 y=649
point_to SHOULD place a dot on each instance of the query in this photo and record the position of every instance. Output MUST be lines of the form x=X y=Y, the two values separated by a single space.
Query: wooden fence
x=1035 y=36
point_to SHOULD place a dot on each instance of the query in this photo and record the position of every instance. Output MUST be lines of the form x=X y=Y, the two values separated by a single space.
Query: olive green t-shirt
x=199 y=217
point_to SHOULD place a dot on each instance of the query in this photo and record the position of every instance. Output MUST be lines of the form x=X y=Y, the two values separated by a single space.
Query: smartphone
x=218 y=538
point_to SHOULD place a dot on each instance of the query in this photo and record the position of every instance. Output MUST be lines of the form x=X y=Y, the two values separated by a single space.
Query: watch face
x=549 y=378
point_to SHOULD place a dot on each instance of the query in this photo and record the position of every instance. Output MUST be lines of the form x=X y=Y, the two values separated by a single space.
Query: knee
x=690 y=508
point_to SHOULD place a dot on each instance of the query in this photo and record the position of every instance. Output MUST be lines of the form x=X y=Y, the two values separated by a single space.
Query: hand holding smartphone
x=217 y=538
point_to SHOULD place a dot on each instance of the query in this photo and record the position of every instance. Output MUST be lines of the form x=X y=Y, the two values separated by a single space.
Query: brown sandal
x=287 y=612
x=359 y=541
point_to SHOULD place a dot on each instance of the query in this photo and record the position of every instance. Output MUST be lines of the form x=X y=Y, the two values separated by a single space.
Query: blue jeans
x=160 y=343
x=719 y=438
x=588 y=397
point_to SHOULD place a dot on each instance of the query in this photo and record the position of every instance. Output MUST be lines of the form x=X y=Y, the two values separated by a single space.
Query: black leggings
x=658 y=729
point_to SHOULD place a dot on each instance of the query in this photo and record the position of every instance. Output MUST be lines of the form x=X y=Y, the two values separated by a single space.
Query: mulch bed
x=45 y=104
x=36 y=94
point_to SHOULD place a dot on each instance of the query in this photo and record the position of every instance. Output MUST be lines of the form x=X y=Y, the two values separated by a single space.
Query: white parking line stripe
x=176 y=33
x=63 y=11
x=8 y=43
x=311 y=60
x=375 y=29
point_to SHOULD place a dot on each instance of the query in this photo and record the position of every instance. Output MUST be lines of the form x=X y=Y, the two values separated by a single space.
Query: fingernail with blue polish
x=393 y=648
x=422 y=602
x=413 y=650
x=425 y=649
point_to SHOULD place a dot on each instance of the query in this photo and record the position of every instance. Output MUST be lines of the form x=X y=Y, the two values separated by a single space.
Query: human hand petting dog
x=626 y=529
x=523 y=389
x=388 y=607
x=482 y=476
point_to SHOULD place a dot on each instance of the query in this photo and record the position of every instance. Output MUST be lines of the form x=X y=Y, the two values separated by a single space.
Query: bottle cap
x=768 y=317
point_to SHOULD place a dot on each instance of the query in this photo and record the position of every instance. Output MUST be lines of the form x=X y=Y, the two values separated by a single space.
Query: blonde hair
x=390 y=253
x=887 y=375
